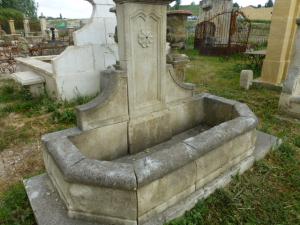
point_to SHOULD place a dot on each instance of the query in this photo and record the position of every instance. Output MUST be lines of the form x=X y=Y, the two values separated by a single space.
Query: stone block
x=106 y=143
x=159 y=192
x=83 y=200
x=186 y=115
x=246 y=79
x=145 y=132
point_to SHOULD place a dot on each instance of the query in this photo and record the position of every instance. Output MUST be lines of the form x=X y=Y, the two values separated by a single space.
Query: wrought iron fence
x=223 y=34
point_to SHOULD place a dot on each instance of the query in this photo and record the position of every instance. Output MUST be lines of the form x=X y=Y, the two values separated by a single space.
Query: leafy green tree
x=7 y=14
x=236 y=5
x=269 y=4
x=28 y=7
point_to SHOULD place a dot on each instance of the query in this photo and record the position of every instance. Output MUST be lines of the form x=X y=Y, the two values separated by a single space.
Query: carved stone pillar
x=290 y=97
x=142 y=51
x=12 y=26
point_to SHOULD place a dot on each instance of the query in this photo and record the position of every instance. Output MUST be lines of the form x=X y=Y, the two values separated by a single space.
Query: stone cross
x=12 y=27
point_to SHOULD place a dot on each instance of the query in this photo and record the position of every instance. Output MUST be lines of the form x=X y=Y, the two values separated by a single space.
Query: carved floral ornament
x=145 y=38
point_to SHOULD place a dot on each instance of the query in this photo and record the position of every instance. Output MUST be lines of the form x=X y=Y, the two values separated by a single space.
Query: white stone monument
x=246 y=79
x=290 y=97
x=76 y=72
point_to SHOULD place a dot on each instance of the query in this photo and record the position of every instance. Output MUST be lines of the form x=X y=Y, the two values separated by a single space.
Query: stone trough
x=99 y=179
x=147 y=148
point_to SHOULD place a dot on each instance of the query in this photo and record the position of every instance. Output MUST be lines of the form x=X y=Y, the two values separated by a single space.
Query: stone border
x=77 y=168
x=46 y=201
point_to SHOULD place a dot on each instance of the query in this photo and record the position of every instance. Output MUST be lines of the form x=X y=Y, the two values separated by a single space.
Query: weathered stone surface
x=160 y=191
x=110 y=107
x=217 y=109
x=161 y=163
x=145 y=132
x=246 y=79
x=84 y=199
x=105 y=143
x=178 y=111
x=221 y=134
x=217 y=161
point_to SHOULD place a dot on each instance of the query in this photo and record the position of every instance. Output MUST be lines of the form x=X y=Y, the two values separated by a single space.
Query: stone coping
x=180 y=12
x=36 y=65
x=77 y=168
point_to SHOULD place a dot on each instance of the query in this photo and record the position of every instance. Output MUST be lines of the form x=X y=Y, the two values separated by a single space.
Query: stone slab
x=28 y=78
x=257 y=83
x=46 y=204
x=264 y=144
x=50 y=210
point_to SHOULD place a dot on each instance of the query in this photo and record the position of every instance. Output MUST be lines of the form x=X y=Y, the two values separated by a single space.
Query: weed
x=15 y=208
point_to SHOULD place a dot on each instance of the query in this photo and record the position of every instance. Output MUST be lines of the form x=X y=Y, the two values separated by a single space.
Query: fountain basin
x=120 y=187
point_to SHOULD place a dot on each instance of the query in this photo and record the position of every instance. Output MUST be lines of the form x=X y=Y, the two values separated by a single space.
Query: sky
x=83 y=9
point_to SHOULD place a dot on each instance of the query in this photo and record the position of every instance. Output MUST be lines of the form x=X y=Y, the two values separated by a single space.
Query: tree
x=7 y=14
x=236 y=5
x=269 y=4
x=193 y=3
x=177 y=4
x=28 y=7
x=259 y=6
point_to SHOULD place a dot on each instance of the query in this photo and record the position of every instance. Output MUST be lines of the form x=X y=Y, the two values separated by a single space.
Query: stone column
x=43 y=24
x=142 y=52
x=26 y=27
x=290 y=97
x=280 y=41
x=12 y=26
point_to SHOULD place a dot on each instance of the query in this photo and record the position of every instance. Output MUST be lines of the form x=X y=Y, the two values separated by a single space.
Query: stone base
x=257 y=83
x=50 y=210
x=290 y=105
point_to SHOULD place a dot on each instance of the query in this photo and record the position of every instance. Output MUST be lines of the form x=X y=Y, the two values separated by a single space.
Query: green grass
x=268 y=194
x=15 y=208
x=40 y=113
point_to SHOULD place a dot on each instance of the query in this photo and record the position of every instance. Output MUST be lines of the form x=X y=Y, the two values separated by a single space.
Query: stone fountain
x=147 y=148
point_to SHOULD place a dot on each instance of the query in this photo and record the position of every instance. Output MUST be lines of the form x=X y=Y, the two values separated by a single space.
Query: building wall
x=257 y=13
